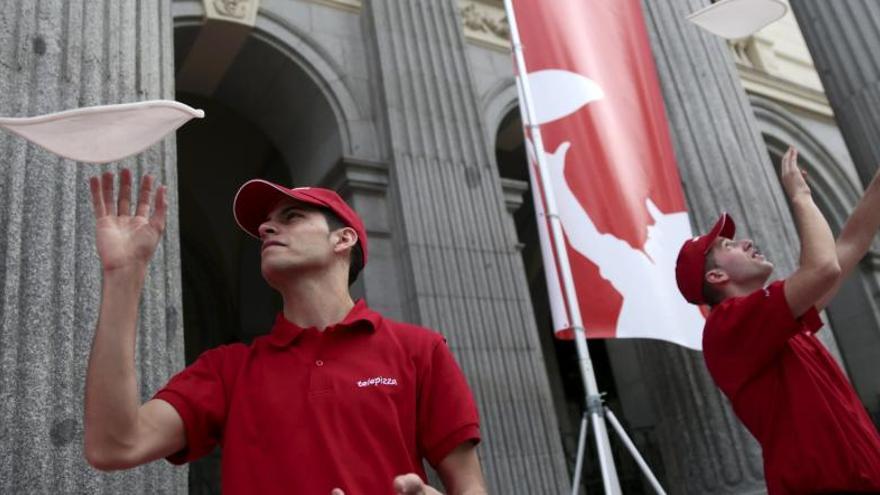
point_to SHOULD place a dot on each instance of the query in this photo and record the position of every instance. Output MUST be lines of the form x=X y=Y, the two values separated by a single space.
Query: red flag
x=595 y=92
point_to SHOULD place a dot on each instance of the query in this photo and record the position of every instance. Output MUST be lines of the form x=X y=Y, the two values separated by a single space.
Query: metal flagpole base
x=579 y=462
x=603 y=412
x=596 y=410
x=595 y=414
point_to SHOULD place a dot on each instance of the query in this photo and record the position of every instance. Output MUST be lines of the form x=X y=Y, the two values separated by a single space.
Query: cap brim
x=255 y=199
x=724 y=227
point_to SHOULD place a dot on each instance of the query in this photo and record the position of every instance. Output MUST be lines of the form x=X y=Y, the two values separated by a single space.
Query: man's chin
x=274 y=272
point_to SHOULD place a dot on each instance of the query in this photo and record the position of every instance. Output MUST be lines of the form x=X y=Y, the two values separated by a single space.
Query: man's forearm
x=856 y=236
x=111 y=396
x=461 y=473
x=818 y=248
x=860 y=228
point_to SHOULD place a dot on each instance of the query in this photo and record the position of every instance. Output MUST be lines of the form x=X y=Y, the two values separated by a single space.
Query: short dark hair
x=356 y=258
x=711 y=295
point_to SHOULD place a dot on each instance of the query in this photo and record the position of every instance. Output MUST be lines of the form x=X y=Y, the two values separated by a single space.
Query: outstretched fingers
x=786 y=161
x=97 y=199
x=107 y=193
x=143 y=205
x=104 y=203
x=123 y=207
x=158 y=218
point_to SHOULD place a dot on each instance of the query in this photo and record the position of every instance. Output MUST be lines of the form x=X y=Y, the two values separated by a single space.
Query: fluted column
x=843 y=37
x=56 y=55
x=724 y=167
x=465 y=276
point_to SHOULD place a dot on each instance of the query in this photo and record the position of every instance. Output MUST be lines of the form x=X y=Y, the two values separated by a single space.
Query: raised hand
x=125 y=240
x=794 y=179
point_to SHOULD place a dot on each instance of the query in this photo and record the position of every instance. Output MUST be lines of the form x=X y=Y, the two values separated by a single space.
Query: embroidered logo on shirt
x=377 y=381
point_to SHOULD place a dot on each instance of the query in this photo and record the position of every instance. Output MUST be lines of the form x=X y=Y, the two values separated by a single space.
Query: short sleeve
x=447 y=414
x=200 y=394
x=744 y=335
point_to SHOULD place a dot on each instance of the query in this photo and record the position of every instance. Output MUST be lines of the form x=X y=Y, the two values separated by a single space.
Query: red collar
x=285 y=333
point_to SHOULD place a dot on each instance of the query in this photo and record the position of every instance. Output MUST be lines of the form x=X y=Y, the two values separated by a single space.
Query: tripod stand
x=596 y=405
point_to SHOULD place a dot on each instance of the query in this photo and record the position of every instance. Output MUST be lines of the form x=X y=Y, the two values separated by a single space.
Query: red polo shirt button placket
x=320 y=384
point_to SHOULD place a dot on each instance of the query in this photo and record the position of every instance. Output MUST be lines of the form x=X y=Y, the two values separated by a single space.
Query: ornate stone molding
x=353 y=174
x=759 y=82
x=240 y=11
x=759 y=61
x=485 y=23
x=513 y=190
x=514 y=196
x=775 y=63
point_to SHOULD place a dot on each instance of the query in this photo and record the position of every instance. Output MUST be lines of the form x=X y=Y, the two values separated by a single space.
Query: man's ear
x=346 y=238
x=716 y=276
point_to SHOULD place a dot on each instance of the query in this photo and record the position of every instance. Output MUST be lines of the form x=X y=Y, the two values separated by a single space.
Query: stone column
x=724 y=167
x=463 y=274
x=54 y=56
x=842 y=38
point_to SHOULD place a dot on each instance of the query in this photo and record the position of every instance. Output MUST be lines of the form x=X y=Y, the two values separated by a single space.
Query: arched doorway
x=613 y=360
x=266 y=117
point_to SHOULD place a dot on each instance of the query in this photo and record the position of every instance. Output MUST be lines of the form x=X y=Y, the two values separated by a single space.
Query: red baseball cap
x=690 y=268
x=256 y=198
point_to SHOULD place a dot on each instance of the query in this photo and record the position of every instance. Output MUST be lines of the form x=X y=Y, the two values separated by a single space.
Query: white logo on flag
x=652 y=305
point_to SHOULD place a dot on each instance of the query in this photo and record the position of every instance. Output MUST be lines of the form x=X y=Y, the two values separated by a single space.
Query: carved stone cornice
x=513 y=190
x=240 y=11
x=485 y=23
x=760 y=82
x=353 y=174
x=514 y=196
x=775 y=63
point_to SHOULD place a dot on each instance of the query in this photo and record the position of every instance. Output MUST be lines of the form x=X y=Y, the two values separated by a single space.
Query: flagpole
x=594 y=402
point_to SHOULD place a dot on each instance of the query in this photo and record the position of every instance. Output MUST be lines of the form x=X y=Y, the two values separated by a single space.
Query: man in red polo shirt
x=335 y=398
x=760 y=346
